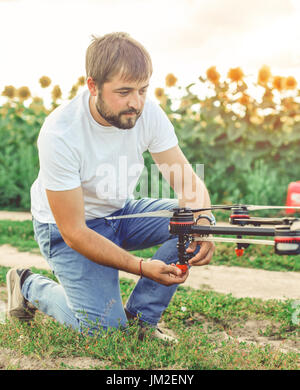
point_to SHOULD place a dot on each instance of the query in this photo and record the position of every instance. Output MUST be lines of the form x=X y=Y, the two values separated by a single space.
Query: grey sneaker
x=148 y=331
x=17 y=306
x=156 y=333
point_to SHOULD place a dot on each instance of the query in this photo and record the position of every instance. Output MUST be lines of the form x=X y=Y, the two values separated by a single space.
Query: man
x=111 y=121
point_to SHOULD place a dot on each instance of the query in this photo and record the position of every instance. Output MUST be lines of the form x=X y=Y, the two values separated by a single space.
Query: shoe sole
x=9 y=290
x=156 y=335
x=27 y=315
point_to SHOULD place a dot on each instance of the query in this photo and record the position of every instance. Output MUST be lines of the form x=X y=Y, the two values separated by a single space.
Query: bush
x=21 y=118
x=19 y=128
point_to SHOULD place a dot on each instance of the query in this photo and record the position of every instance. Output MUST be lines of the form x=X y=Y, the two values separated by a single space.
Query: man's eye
x=123 y=93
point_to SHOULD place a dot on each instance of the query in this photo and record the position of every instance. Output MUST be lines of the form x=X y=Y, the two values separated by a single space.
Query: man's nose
x=135 y=101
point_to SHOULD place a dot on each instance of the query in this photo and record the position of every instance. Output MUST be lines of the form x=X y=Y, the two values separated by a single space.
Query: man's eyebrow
x=128 y=88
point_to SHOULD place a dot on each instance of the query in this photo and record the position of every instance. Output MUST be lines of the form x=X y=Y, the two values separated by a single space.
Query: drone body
x=286 y=231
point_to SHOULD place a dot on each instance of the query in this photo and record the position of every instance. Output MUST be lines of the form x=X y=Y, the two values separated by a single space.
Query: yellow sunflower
x=290 y=82
x=244 y=99
x=81 y=81
x=56 y=93
x=37 y=105
x=9 y=91
x=212 y=75
x=171 y=80
x=73 y=91
x=45 y=81
x=264 y=75
x=23 y=93
x=235 y=74
x=159 y=93
x=279 y=83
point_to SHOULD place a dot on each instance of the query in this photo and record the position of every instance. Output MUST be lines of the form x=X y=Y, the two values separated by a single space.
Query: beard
x=119 y=120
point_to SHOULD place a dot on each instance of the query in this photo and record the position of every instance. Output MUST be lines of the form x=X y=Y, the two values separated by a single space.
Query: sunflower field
x=245 y=133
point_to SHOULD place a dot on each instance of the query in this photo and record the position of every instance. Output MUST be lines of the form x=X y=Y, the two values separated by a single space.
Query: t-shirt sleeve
x=162 y=130
x=59 y=165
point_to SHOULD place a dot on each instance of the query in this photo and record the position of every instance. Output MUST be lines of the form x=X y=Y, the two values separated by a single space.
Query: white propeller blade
x=253 y=208
x=235 y=240
x=295 y=225
x=169 y=213
x=159 y=214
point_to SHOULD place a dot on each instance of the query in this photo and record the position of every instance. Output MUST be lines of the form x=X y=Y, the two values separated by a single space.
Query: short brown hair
x=116 y=53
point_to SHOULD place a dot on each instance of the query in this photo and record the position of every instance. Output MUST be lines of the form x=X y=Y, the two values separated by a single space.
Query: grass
x=199 y=318
x=211 y=327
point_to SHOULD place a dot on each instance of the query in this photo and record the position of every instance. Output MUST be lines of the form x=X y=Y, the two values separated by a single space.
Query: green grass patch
x=18 y=234
x=199 y=319
x=255 y=256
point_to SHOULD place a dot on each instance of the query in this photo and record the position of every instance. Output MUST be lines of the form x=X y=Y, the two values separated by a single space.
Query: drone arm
x=230 y=230
x=235 y=240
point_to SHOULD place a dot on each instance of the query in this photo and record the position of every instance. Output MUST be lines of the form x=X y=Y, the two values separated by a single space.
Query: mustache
x=132 y=111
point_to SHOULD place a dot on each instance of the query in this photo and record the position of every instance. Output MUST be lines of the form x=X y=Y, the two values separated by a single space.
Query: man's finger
x=174 y=270
x=204 y=248
x=192 y=247
x=204 y=255
x=202 y=261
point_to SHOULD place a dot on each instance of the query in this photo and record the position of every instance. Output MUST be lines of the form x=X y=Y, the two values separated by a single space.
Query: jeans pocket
x=56 y=243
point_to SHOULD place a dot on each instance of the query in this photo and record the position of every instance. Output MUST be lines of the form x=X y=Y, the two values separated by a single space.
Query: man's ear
x=92 y=86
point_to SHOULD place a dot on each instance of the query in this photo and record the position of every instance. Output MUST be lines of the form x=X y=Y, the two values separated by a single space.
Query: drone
x=183 y=224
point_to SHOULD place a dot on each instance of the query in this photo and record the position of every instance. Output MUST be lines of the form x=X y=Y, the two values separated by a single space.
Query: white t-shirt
x=75 y=150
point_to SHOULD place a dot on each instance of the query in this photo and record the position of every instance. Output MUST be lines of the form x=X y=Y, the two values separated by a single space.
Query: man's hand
x=204 y=255
x=162 y=273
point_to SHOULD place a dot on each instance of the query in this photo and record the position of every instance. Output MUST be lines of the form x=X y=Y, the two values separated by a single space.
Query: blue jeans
x=88 y=294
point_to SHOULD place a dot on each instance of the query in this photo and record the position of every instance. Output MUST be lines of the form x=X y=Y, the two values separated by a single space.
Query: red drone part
x=183 y=267
x=239 y=251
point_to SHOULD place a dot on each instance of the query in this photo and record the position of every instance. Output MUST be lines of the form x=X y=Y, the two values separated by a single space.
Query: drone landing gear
x=239 y=250
x=180 y=223
x=183 y=256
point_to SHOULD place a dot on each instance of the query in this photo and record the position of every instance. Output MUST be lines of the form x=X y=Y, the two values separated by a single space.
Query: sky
x=184 y=37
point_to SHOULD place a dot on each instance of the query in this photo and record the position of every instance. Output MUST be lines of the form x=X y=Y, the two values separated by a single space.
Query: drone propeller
x=169 y=213
x=295 y=226
x=255 y=208
x=159 y=214
x=249 y=207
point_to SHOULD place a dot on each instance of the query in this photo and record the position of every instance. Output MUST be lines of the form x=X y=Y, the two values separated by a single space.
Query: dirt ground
x=240 y=282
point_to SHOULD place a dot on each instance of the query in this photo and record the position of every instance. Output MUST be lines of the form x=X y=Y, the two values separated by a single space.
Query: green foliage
x=19 y=128
x=249 y=146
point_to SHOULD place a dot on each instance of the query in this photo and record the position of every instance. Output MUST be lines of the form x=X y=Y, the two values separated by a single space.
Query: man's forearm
x=103 y=251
